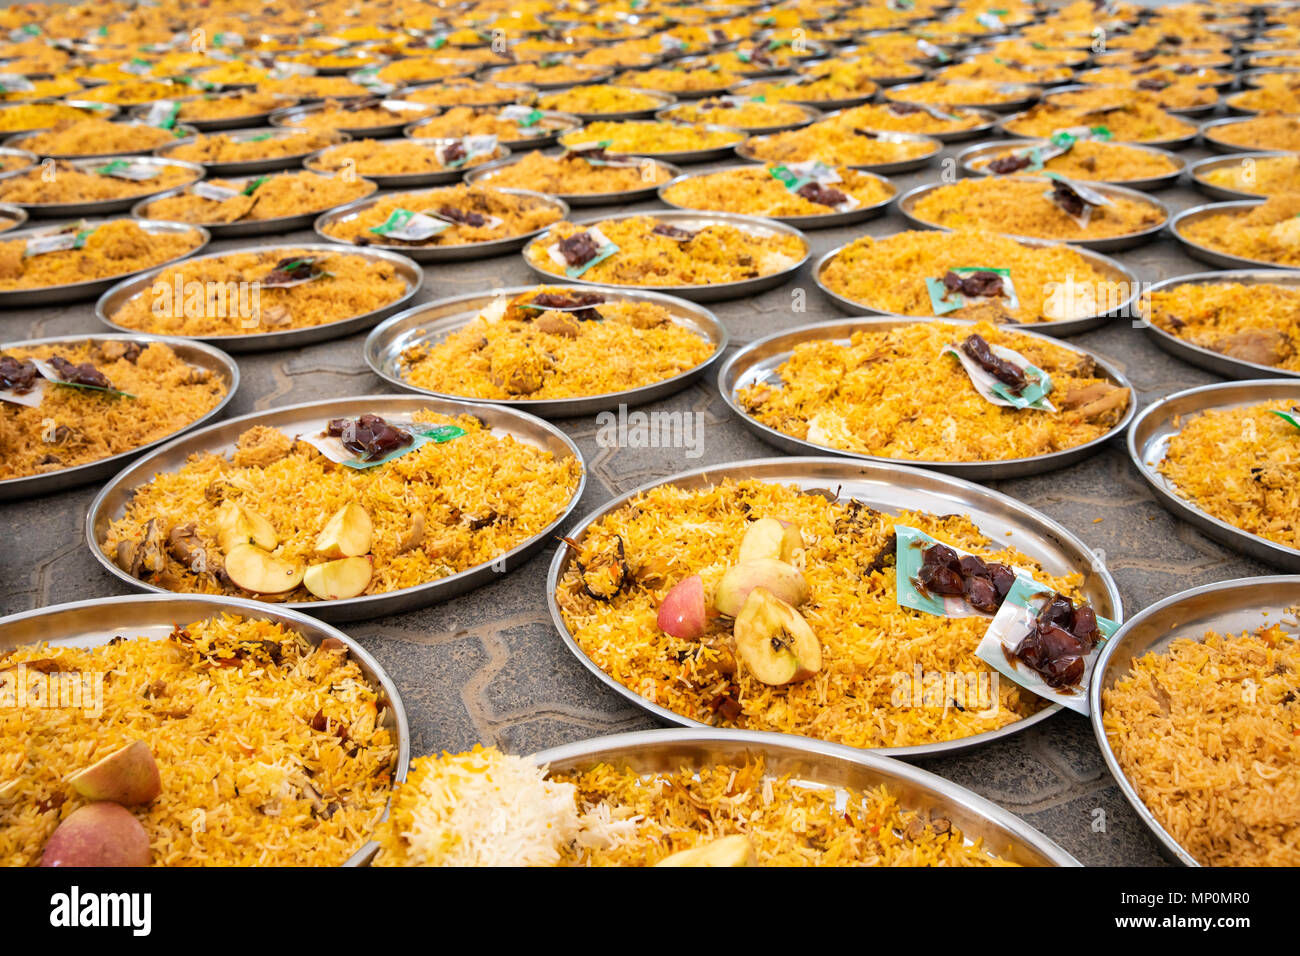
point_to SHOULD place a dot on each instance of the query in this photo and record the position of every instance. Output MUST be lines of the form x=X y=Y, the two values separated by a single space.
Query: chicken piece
x=557 y=323
x=261 y=446
x=517 y=368
x=1094 y=401
x=1261 y=346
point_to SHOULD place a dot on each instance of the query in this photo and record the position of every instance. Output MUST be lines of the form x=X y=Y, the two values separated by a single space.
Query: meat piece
x=260 y=446
x=557 y=323
x=1261 y=346
x=1116 y=399
x=115 y=349
x=518 y=369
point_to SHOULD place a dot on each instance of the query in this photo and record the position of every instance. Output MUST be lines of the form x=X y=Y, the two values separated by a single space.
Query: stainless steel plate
x=18 y=141
x=433 y=177
x=694 y=220
x=689 y=155
x=810 y=115
x=890 y=488
x=1199 y=170
x=434 y=253
x=1174 y=142
x=432 y=322
x=746 y=151
x=1209 y=359
x=973 y=162
x=117 y=297
x=29 y=159
x=551 y=126
x=1224 y=260
x=819 y=765
x=1148 y=443
x=15 y=215
x=293 y=115
x=111 y=502
x=1124 y=285
x=102 y=207
x=662 y=101
x=907 y=205
x=194 y=353
x=758 y=363
x=1060 y=94
x=93 y=623
x=824 y=221
x=1209 y=134
x=1025 y=95
x=483 y=175
x=242 y=228
x=844 y=102
x=227 y=122
x=1226 y=607
x=519 y=93
x=250 y=167
x=74 y=291
x=597 y=74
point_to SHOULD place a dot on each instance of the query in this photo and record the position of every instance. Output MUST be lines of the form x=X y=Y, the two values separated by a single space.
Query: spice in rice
x=1268 y=232
x=274 y=197
x=116 y=248
x=754 y=191
x=473 y=212
x=648 y=137
x=90 y=137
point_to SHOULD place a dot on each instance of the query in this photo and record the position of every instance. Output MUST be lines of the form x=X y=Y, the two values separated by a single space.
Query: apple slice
x=98 y=834
x=770 y=538
x=238 y=525
x=338 y=580
x=774 y=642
x=347 y=534
x=261 y=572
x=126 y=776
x=784 y=580
x=735 y=850
x=683 y=613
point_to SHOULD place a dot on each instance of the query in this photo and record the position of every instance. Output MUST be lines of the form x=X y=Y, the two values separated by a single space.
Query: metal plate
x=93 y=623
x=522 y=93
x=758 y=362
x=1027 y=95
x=745 y=151
x=1249 y=79
x=1205 y=358
x=598 y=74
x=1123 y=277
x=30 y=158
x=907 y=204
x=824 y=221
x=816 y=764
x=1059 y=94
x=712 y=292
x=435 y=253
x=74 y=291
x=662 y=102
x=293 y=115
x=840 y=103
x=195 y=353
x=1226 y=607
x=17 y=215
x=968 y=158
x=249 y=167
x=111 y=502
x=116 y=297
x=482 y=175
x=554 y=125
x=890 y=488
x=1224 y=260
x=433 y=322
x=434 y=177
x=690 y=155
x=248 y=227
x=102 y=207
x=989 y=123
x=1208 y=137
x=1148 y=442
x=18 y=140
x=1199 y=169
x=1175 y=142
x=810 y=115
x=226 y=122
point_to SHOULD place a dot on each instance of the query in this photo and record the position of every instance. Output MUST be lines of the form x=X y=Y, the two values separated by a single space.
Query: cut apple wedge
x=238 y=525
x=733 y=850
x=774 y=642
x=341 y=579
x=261 y=572
x=770 y=538
x=347 y=534
x=126 y=776
x=784 y=580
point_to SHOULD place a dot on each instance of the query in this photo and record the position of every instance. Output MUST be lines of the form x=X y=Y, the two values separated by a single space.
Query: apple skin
x=683 y=612
x=784 y=580
x=127 y=776
x=98 y=834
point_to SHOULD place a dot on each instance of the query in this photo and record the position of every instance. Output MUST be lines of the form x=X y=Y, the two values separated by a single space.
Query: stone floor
x=489 y=666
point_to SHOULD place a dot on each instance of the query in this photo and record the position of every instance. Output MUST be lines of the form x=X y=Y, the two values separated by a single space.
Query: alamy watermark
x=639 y=429
x=216 y=300
x=24 y=686
x=975 y=692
